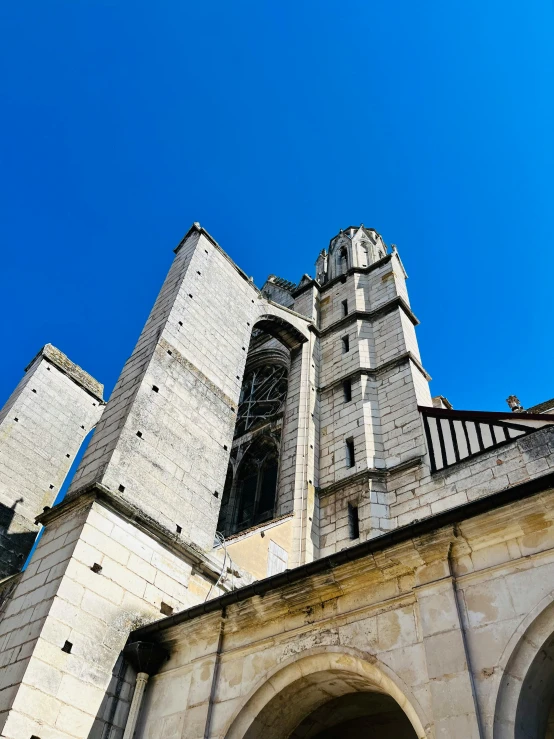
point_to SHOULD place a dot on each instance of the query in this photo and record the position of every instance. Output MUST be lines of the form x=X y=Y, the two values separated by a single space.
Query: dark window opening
x=247 y=500
x=345 y=344
x=344 y=307
x=350 y=456
x=67 y=647
x=249 y=497
x=353 y=522
x=347 y=389
x=343 y=260
x=268 y=487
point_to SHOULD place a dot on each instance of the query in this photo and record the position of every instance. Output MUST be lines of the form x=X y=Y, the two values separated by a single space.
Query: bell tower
x=370 y=383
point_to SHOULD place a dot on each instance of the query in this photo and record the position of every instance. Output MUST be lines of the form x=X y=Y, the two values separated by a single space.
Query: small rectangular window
x=345 y=344
x=347 y=389
x=344 y=307
x=353 y=521
x=350 y=456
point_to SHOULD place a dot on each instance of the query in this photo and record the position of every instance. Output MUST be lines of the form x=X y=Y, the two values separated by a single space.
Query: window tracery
x=263 y=393
x=256 y=485
x=250 y=491
x=249 y=496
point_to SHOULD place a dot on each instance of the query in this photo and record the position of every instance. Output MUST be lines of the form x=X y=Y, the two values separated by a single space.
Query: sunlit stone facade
x=276 y=532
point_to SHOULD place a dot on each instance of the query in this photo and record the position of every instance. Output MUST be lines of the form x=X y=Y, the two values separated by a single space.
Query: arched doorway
x=534 y=713
x=328 y=696
x=356 y=715
x=525 y=702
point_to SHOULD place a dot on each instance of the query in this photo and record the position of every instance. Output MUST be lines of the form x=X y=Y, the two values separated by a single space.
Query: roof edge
x=62 y=362
x=379 y=543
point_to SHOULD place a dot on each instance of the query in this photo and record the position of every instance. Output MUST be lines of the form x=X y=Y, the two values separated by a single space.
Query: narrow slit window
x=344 y=304
x=350 y=455
x=353 y=522
x=345 y=344
x=347 y=390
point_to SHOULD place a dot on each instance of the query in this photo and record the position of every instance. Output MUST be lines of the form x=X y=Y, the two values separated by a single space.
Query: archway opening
x=357 y=716
x=525 y=700
x=535 y=707
x=250 y=494
x=332 y=704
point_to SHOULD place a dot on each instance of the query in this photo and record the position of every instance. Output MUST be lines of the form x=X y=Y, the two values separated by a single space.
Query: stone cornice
x=372 y=473
x=89 y=494
x=305 y=286
x=340 y=278
x=376 y=371
x=369 y=315
x=357 y=270
x=302 y=578
x=71 y=370
x=197 y=228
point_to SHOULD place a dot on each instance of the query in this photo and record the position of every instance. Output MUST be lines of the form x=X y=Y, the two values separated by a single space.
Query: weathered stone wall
x=63 y=596
x=164 y=441
x=251 y=550
x=42 y=426
x=434 y=622
x=416 y=493
x=409 y=620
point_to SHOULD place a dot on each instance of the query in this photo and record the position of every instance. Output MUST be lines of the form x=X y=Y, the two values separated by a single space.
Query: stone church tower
x=275 y=530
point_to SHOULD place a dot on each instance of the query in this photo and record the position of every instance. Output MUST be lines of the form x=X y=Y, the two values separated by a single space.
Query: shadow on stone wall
x=15 y=540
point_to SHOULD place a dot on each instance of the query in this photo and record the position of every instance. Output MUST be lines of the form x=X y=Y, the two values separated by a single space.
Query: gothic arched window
x=263 y=393
x=343 y=260
x=256 y=484
x=365 y=254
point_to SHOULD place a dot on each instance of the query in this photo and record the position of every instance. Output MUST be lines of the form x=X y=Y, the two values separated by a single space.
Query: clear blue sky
x=275 y=124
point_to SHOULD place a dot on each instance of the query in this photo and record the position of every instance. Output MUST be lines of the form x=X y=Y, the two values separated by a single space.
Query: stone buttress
x=133 y=539
x=42 y=426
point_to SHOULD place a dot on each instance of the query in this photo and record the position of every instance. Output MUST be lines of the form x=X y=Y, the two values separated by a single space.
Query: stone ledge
x=376 y=371
x=374 y=473
x=369 y=315
x=353 y=270
x=72 y=370
x=263 y=526
x=327 y=565
x=202 y=562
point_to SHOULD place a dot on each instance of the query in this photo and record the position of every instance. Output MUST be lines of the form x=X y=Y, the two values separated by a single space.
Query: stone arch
x=291 y=328
x=526 y=677
x=275 y=336
x=341 y=257
x=302 y=685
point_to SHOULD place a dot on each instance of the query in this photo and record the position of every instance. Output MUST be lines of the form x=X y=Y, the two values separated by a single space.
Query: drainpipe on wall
x=215 y=675
x=146 y=658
